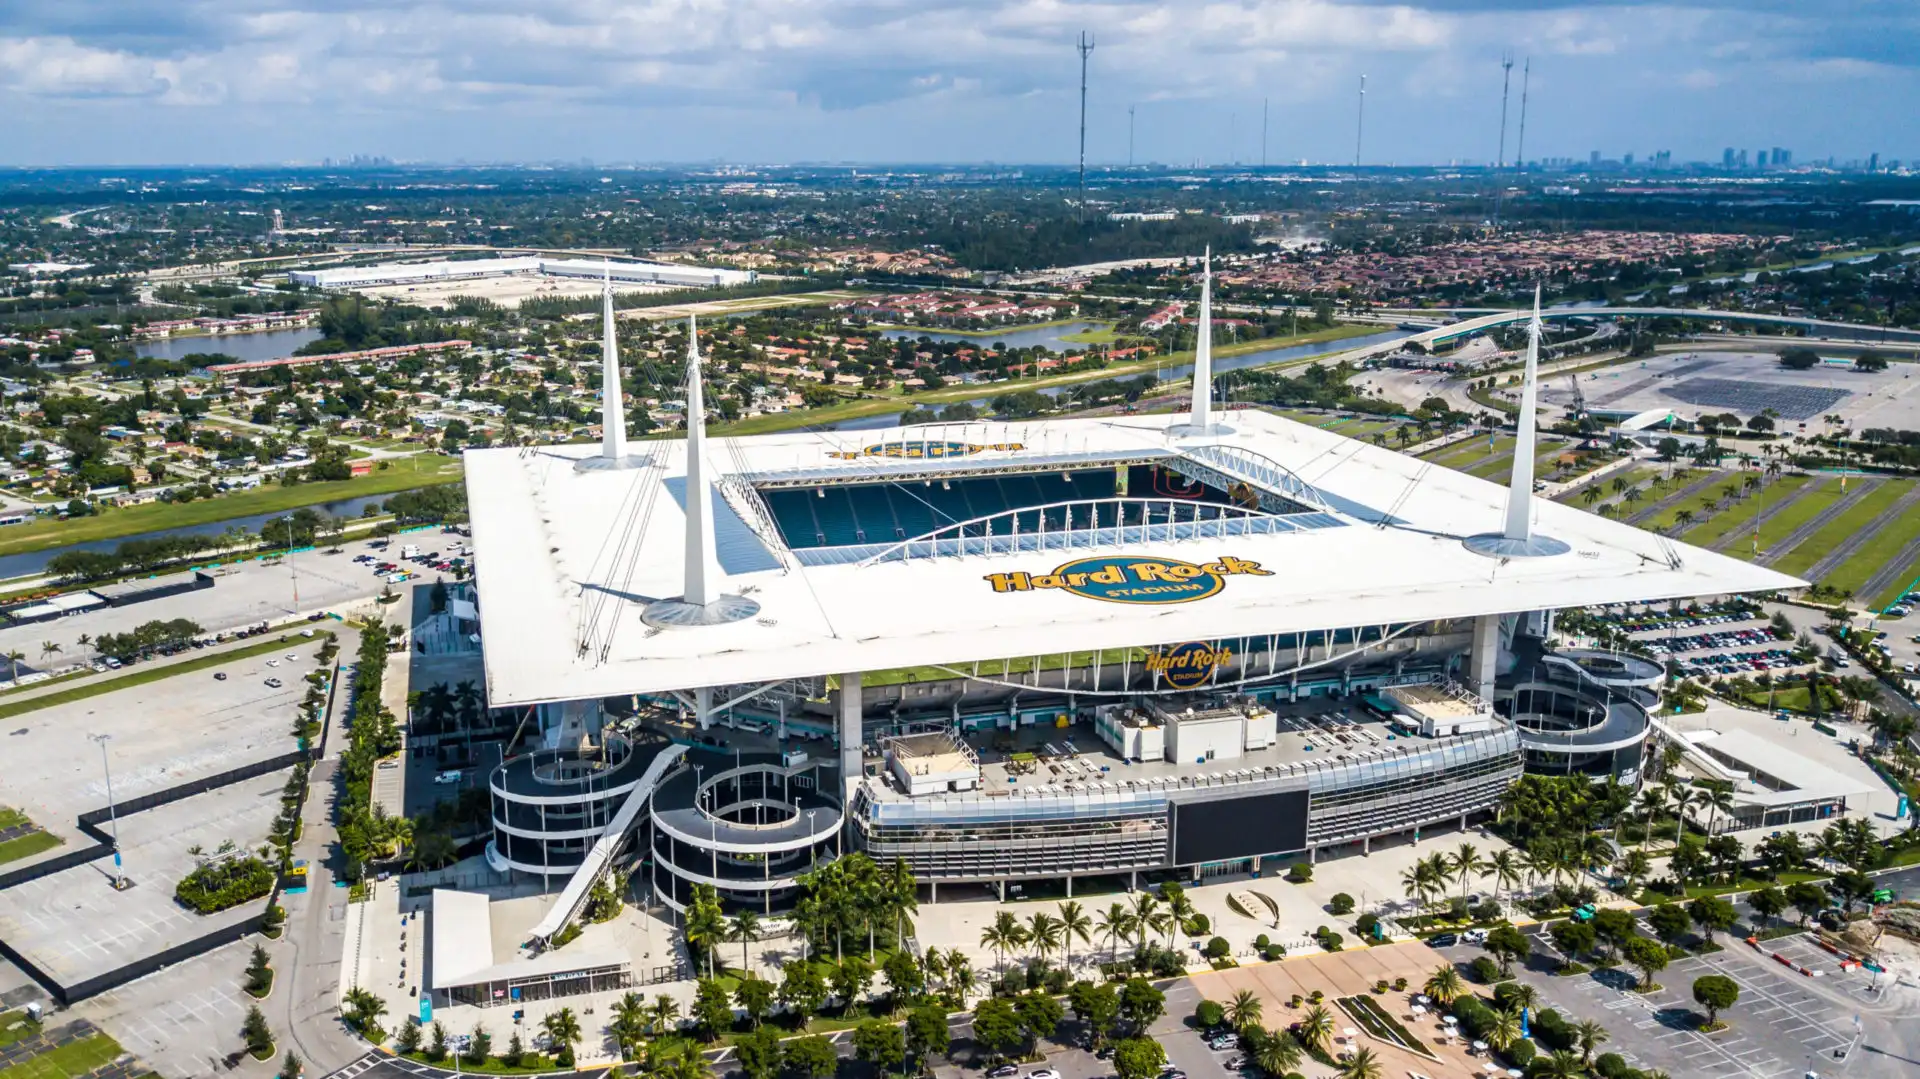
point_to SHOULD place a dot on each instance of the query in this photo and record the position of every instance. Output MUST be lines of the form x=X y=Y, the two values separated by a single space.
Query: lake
x=1259 y=358
x=245 y=347
x=30 y=562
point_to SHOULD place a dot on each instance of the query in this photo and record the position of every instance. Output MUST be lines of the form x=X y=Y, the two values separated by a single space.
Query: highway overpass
x=1445 y=335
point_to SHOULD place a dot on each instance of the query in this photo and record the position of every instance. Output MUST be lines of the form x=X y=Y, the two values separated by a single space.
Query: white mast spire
x=703 y=565
x=1520 y=490
x=613 y=412
x=1202 y=411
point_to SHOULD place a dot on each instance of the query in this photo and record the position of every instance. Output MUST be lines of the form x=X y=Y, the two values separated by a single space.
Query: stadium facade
x=669 y=275
x=1049 y=650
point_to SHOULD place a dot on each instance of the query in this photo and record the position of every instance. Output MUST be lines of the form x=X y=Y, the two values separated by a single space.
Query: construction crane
x=1579 y=408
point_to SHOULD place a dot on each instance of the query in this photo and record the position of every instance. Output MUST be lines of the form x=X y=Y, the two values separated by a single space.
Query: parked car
x=1002 y=1071
x=1442 y=940
x=274 y=683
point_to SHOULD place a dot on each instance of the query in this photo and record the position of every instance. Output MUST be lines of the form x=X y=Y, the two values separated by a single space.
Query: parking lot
x=74 y=925
x=160 y=734
x=184 y=1020
x=1780 y=1026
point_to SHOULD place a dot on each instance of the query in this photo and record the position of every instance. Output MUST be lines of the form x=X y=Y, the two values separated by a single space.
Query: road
x=311 y=947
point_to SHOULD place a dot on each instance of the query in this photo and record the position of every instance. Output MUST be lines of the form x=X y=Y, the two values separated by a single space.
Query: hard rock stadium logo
x=924 y=449
x=1185 y=666
x=1133 y=578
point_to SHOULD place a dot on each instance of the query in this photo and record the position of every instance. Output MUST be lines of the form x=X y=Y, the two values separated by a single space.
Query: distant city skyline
x=761 y=81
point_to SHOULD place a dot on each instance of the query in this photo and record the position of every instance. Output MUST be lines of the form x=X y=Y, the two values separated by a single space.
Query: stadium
x=1064 y=649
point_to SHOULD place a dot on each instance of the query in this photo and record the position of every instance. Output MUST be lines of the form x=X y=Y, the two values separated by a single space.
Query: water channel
x=31 y=562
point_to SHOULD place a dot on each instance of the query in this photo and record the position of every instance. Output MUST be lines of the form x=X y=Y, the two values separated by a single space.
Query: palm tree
x=1243 y=1010
x=84 y=641
x=14 y=656
x=1589 y=1035
x=746 y=929
x=1505 y=868
x=1146 y=915
x=1074 y=924
x=1466 y=864
x=1444 y=984
x=48 y=650
x=1652 y=801
x=1590 y=495
x=1115 y=924
x=1004 y=935
x=1361 y=1065
x=1633 y=868
x=563 y=1031
x=1719 y=799
x=1315 y=1028
x=1505 y=1029
x=664 y=1015
x=1560 y=1064
x=1276 y=1054
x=1043 y=933
x=629 y=1025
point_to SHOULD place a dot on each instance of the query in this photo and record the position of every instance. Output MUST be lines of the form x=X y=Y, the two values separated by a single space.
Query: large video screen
x=1229 y=828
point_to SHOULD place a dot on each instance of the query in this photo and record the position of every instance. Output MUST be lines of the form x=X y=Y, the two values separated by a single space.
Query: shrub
x=1218 y=948
x=1199 y=925
x=215 y=886
x=1399 y=985
x=1520 y=1053
x=1342 y=903
x=1365 y=925
x=1273 y=952
x=1209 y=1014
x=1300 y=873
x=1379 y=987
x=1486 y=912
x=1262 y=941
x=1485 y=970
x=1611 y=1065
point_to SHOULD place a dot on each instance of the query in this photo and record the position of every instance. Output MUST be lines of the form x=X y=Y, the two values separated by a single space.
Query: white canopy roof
x=567 y=557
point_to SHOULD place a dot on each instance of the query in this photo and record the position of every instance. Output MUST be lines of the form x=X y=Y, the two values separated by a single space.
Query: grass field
x=892 y=399
x=1906 y=580
x=405 y=474
x=1875 y=552
x=26 y=846
x=1739 y=518
x=15 y=1026
x=1838 y=530
x=1815 y=502
x=69 y=1061
x=1464 y=455
x=1634 y=476
x=147 y=673
x=1702 y=506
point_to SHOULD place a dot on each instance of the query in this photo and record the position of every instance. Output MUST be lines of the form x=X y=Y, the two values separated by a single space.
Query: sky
x=767 y=81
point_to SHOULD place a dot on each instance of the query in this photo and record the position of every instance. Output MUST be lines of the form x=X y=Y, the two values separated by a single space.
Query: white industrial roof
x=1811 y=779
x=567 y=560
x=462 y=936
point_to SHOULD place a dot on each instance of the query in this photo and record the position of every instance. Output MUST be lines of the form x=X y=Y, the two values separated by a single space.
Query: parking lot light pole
x=113 y=817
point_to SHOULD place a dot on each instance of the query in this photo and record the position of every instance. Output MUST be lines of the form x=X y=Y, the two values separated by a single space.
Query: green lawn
x=1463 y=455
x=1841 y=528
x=13 y=818
x=1819 y=496
x=70 y=1061
x=1634 y=475
x=1899 y=587
x=406 y=473
x=150 y=672
x=1738 y=519
x=14 y=1026
x=1794 y=699
x=893 y=399
x=1873 y=554
x=26 y=846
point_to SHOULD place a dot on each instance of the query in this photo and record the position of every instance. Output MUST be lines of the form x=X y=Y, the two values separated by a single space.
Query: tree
x=1559 y=1064
x=996 y=1026
x=1574 y=939
x=1712 y=914
x=758 y=1052
x=1096 y=1005
x=745 y=929
x=1613 y=927
x=1589 y=1035
x=1670 y=922
x=1315 y=1029
x=1274 y=1053
x=1714 y=992
x=563 y=1033
x=1799 y=359
x=927 y=1034
x=1768 y=902
x=1040 y=1014
x=259 y=974
x=811 y=1057
x=1243 y=1011
x=1807 y=898
x=880 y=1044
x=290 y=1065
x=1074 y=925
x=516 y=1051
x=479 y=1045
x=1445 y=984
x=851 y=979
x=802 y=989
x=905 y=979
x=255 y=1032
x=1507 y=944
x=629 y=1026
x=755 y=997
x=1141 y=1004
x=1648 y=955
x=407 y=1040
x=1361 y=1065
x=712 y=1011
x=1115 y=924
x=1138 y=1058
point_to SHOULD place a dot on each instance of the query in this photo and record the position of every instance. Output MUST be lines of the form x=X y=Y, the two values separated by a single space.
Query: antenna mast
x=1520 y=151
x=1360 y=124
x=1085 y=46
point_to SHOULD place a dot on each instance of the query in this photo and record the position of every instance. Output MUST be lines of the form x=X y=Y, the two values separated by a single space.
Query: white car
x=1474 y=936
x=273 y=663
x=293 y=655
x=1043 y=1073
